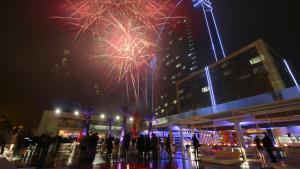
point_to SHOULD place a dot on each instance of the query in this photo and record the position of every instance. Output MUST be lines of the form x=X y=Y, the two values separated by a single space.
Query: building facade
x=250 y=71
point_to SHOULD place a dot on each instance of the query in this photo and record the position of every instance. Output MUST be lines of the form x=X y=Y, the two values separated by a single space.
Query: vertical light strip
x=209 y=32
x=219 y=37
x=291 y=73
x=211 y=90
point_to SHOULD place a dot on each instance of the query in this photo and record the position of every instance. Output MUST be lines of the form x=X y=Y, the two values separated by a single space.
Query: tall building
x=175 y=61
x=184 y=51
x=250 y=87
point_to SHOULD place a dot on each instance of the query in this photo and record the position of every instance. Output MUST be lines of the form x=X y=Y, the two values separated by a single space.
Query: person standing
x=140 y=146
x=109 y=146
x=92 y=145
x=268 y=145
x=195 y=145
x=154 y=146
x=147 y=146
x=169 y=146
x=116 y=149
x=261 y=153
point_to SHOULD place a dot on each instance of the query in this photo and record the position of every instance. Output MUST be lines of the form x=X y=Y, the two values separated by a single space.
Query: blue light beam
x=206 y=7
x=211 y=90
x=290 y=72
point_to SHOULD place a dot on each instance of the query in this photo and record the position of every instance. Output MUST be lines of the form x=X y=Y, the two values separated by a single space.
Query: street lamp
x=57 y=111
x=118 y=117
x=76 y=113
x=131 y=119
x=102 y=116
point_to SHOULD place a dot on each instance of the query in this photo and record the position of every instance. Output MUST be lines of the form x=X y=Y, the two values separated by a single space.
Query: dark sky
x=31 y=45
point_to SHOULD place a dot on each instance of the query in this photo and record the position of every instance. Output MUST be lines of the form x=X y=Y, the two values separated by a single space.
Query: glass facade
x=248 y=72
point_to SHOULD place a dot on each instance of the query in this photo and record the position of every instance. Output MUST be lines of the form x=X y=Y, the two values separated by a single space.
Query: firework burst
x=124 y=32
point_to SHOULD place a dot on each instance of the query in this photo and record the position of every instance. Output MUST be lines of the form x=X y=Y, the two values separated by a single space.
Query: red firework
x=125 y=33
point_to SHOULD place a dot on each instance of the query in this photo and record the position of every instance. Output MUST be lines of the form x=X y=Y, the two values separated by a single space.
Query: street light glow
x=102 y=116
x=131 y=119
x=117 y=117
x=76 y=113
x=57 y=111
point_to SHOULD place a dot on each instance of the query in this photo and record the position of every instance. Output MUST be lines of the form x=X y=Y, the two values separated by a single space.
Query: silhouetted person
x=195 y=145
x=168 y=146
x=140 y=146
x=116 y=149
x=126 y=144
x=147 y=146
x=268 y=145
x=261 y=152
x=154 y=146
x=83 y=149
x=109 y=146
x=92 y=144
x=4 y=139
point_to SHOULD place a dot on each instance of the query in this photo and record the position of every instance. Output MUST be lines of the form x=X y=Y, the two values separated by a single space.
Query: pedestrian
x=92 y=145
x=261 y=153
x=4 y=139
x=140 y=146
x=116 y=149
x=168 y=146
x=109 y=146
x=154 y=146
x=147 y=146
x=195 y=145
x=83 y=149
x=126 y=144
x=269 y=147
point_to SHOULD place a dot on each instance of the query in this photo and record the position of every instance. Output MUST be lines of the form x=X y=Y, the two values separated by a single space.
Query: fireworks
x=124 y=32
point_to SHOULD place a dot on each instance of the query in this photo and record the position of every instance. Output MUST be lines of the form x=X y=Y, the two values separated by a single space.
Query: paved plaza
x=65 y=160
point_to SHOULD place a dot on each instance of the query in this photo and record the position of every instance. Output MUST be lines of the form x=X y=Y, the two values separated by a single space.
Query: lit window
x=181 y=38
x=183 y=67
x=205 y=89
x=174 y=101
x=178 y=65
x=167 y=55
x=190 y=54
x=171 y=42
x=173 y=77
x=177 y=57
x=168 y=63
x=161 y=97
x=166 y=104
x=174 y=82
x=165 y=77
x=162 y=110
x=180 y=91
x=256 y=60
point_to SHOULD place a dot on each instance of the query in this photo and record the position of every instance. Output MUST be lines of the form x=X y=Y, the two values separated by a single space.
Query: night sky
x=41 y=67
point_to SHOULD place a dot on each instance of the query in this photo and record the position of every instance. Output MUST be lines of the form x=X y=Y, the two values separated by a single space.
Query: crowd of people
x=16 y=141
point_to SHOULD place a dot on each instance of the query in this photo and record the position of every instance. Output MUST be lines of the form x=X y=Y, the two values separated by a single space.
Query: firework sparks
x=125 y=33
